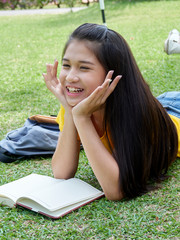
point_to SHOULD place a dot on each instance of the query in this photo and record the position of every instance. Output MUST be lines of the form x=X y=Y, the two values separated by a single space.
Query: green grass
x=27 y=43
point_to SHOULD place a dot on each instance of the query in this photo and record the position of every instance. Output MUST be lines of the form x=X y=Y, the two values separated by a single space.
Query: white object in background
x=172 y=43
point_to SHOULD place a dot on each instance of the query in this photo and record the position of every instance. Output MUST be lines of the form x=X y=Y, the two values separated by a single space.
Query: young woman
x=128 y=137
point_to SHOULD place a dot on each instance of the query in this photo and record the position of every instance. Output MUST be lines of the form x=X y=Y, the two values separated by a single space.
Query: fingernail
x=119 y=76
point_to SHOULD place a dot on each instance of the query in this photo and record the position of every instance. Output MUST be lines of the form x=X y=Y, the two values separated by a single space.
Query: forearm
x=66 y=156
x=102 y=162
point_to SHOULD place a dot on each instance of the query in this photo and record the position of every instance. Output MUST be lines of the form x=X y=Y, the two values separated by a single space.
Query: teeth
x=74 y=90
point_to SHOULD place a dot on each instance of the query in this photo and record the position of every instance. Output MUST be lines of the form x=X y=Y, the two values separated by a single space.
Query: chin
x=73 y=104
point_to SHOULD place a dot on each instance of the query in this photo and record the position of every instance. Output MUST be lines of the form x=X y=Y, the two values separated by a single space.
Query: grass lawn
x=27 y=43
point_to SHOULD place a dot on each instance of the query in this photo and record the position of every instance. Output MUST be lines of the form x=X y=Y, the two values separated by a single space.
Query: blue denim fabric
x=32 y=139
x=171 y=102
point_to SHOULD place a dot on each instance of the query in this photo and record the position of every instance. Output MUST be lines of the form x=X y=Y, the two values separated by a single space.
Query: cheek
x=92 y=87
x=100 y=80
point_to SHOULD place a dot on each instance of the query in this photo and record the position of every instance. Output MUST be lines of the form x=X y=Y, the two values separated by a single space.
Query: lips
x=74 y=89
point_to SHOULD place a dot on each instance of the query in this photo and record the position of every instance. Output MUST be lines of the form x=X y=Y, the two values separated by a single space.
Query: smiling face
x=81 y=72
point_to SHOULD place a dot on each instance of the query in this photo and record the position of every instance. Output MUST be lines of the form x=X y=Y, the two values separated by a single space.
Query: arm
x=65 y=158
x=102 y=162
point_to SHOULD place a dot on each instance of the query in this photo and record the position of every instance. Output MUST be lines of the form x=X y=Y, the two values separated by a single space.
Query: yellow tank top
x=176 y=122
x=104 y=139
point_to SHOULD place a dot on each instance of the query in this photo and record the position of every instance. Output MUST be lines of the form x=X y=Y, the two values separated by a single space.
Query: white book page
x=53 y=214
x=63 y=194
x=26 y=185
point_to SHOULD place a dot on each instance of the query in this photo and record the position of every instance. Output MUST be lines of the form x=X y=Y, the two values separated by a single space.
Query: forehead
x=80 y=48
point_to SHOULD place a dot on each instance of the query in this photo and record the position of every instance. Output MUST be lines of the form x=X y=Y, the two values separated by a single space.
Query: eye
x=84 y=68
x=65 y=65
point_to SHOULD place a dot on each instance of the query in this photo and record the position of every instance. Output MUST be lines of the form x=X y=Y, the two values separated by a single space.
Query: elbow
x=60 y=175
x=114 y=197
x=57 y=175
x=62 y=172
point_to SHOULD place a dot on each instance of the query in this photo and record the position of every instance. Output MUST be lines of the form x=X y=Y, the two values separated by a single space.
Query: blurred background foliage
x=27 y=4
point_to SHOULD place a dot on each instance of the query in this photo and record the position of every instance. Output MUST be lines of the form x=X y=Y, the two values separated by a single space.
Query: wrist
x=78 y=114
x=80 y=120
x=68 y=116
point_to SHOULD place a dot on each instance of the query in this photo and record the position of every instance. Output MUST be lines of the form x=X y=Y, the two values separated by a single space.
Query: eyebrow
x=82 y=61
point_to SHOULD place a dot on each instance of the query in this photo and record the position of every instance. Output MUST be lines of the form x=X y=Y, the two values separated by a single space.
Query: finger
x=47 y=82
x=52 y=73
x=44 y=75
x=107 y=80
x=109 y=74
x=55 y=67
x=115 y=82
x=49 y=70
x=45 y=78
x=97 y=95
x=104 y=87
x=48 y=75
x=104 y=91
x=112 y=87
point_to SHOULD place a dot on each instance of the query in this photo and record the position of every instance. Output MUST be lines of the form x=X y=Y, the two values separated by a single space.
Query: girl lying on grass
x=128 y=137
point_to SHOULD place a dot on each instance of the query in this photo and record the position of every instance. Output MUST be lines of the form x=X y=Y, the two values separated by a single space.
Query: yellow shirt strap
x=60 y=118
x=176 y=122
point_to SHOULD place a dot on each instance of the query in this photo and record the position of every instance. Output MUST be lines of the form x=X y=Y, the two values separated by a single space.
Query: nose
x=72 y=76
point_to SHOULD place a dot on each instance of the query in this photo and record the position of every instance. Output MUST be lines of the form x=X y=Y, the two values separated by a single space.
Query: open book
x=48 y=196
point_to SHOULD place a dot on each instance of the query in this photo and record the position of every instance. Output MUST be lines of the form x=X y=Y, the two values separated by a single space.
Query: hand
x=97 y=98
x=53 y=83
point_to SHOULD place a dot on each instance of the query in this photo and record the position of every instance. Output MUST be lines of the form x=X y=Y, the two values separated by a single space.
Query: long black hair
x=144 y=137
